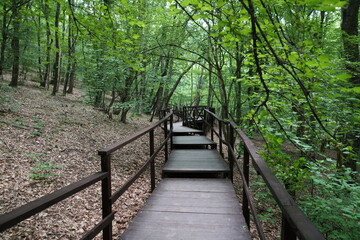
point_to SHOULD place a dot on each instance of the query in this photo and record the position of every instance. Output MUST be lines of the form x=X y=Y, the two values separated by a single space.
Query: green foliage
x=43 y=170
x=334 y=202
x=38 y=128
x=6 y=101
x=71 y=121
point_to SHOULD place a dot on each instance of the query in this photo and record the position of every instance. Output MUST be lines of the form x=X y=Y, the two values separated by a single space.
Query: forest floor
x=48 y=142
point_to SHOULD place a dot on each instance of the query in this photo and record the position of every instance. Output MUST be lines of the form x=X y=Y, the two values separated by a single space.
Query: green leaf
x=185 y=3
x=343 y=76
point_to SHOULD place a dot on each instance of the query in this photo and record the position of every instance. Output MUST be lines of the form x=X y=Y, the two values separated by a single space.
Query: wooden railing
x=14 y=217
x=193 y=116
x=294 y=222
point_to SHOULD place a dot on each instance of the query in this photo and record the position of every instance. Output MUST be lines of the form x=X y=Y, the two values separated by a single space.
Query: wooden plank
x=179 y=128
x=195 y=161
x=190 y=185
x=190 y=209
x=192 y=140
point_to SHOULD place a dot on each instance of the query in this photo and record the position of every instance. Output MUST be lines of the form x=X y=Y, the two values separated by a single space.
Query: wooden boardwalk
x=196 y=209
x=179 y=129
x=185 y=205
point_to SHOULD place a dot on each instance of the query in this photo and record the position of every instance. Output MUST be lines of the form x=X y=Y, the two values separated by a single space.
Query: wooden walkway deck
x=179 y=129
x=195 y=161
x=191 y=207
x=196 y=209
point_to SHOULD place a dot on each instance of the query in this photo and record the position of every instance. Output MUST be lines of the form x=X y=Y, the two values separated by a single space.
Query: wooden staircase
x=195 y=200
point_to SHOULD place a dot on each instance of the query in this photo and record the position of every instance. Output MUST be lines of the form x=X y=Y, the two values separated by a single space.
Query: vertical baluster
x=220 y=138
x=231 y=142
x=106 y=193
x=245 y=206
x=212 y=127
x=166 y=135
x=171 y=131
x=152 y=164
x=287 y=233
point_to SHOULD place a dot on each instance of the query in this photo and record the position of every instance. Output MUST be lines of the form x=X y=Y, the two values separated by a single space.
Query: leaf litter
x=64 y=133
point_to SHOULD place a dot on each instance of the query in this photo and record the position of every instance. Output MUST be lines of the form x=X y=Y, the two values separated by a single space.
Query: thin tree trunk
x=167 y=99
x=4 y=34
x=349 y=26
x=15 y=45
x=57 y=54
x=45 y=82
x=39 y=48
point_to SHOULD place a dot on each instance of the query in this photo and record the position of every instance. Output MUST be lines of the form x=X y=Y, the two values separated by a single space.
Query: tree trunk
x=349 y=26
x=39 y=48
x=4 y=34
x=168 y=97
x=15 y=45
x=57 y=54
x=73 y=60
x=45 y=81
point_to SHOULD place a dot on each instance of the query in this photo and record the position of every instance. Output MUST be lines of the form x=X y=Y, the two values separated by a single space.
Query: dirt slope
x=63 y=134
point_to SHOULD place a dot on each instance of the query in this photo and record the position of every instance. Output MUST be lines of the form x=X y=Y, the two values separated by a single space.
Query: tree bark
x=349 y=26
x=46 y=76
x=39 y=48
x=15 y=46
x=57 y=54
x=4 y=34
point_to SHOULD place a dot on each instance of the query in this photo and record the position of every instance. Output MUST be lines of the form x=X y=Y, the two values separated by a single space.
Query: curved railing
x=294 y=222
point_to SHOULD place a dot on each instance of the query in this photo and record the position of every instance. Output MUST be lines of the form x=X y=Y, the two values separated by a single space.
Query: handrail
x=23 y=212
x=295 y=222
x=115 y=146
x=136 y=175
x=10 y=219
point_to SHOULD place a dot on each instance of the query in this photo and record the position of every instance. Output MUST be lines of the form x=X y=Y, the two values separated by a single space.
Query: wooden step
x=191 y=142
x=195 y=162
x=180 y=130
x=195 y=209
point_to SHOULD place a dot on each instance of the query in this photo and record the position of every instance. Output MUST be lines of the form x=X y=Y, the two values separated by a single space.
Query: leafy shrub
x=334 y=203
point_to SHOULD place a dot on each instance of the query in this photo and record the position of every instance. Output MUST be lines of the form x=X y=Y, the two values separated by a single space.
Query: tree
x=15 y=43
x=57 y=49
x=349 y=26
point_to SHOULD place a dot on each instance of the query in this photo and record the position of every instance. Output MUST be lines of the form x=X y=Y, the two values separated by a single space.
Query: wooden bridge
x=195 y=198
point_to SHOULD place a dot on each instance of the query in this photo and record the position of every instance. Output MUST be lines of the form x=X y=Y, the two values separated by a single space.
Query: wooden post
x=220 y=138
x=245 y=204
x=166 y=144
x=287 y=233
x=231 y=142
x=212 y=127
x=152 y=164
x=171 y=130
x=106 y=194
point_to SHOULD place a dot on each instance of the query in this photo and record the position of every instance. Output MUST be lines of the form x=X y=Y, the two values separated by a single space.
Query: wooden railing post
x=106 y=194
x=152 y=165
x=287 y=233
x=231 y=142
x=245 y=204
x=220 y=138
x=166 y=144
x=171 y=130
x=212 y=127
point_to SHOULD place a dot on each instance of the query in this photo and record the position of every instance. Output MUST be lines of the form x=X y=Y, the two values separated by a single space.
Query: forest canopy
x=288 y=71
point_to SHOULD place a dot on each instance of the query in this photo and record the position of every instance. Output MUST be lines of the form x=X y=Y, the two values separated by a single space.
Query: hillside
x=62 y=134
